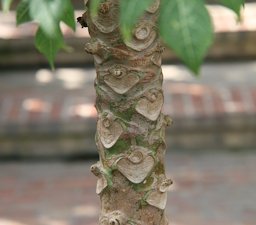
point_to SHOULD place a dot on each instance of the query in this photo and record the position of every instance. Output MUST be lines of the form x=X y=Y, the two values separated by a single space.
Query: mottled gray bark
x=130 y=137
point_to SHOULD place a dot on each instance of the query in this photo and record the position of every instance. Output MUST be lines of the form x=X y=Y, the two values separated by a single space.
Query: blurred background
x=48 y=120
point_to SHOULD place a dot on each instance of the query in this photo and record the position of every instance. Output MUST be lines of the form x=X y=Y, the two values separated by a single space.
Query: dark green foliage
x=235 y=5
x=184 y=25
x=49 y=46
x=130 y=11
x=186 y=28
x=6 y=4
x=47 y=14
x=94 y=5
x=22 y=13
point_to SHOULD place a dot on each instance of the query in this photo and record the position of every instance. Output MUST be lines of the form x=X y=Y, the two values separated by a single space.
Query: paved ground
x=41 y=108
x=68 y=93
x=213 y=188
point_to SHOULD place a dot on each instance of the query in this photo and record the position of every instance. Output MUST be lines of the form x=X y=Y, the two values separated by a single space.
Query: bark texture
x=130 y=137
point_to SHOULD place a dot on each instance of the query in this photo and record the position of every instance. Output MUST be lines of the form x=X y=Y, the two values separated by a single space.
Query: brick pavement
x=45 y=114
x=40 y=109
x=213 y=188
x=182 y=100
x=57 y=109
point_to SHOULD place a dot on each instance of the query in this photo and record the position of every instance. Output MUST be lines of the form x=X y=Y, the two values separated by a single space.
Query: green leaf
x=68 y=16
x=45 y=12
x=49 y=45
x=234 y=5
x=185 y=26
x=130 y=12
x=22 y=12
x=6 y=4
x=94 y=6
x=48 y=13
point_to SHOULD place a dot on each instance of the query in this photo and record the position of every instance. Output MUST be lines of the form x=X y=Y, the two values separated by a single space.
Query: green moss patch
x=145 y=185
x=120 y=147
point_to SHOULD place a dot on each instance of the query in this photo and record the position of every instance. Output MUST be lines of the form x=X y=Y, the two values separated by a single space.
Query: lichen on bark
x=132 y=184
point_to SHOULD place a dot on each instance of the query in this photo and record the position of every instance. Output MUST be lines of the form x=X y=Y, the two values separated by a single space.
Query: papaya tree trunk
x=130 y=137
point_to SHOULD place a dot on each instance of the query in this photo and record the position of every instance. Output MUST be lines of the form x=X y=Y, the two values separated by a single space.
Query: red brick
x=253 y=93
x=14 y=110
x=218 y=103
x=56 y=110
x=237 y=99
x=199 y=104
x=177 y=105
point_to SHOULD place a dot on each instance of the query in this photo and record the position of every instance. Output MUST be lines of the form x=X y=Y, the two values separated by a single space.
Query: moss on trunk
x=132 y=184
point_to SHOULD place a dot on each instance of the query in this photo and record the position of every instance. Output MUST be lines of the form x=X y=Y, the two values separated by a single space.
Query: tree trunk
x=130 y=137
